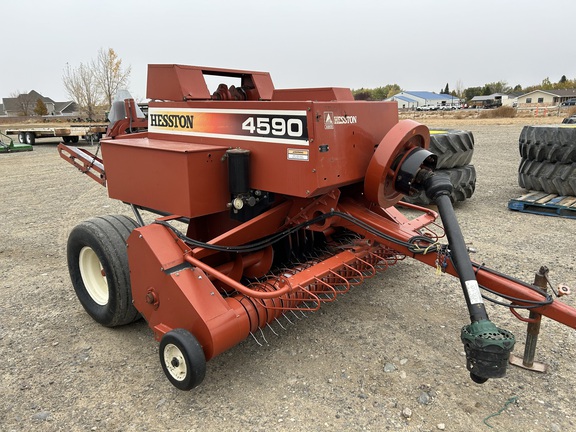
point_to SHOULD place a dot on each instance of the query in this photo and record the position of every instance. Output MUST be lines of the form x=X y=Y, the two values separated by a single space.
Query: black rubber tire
x=454 y=148
x=182 y=359
x=30 y=138
x=548 y=143
x=552 y=178
x=74 y=139
x=569 y=120
x=21 y=137
x=463 y=180
x=66 y=139
x=101 y=242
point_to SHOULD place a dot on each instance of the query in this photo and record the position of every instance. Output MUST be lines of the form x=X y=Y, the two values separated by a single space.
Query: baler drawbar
x=267 y=204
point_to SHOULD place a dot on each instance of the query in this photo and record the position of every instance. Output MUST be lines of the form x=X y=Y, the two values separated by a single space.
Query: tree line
x=380 y=93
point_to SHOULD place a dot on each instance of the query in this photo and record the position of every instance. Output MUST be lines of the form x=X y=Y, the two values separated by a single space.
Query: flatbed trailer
x=69 y=134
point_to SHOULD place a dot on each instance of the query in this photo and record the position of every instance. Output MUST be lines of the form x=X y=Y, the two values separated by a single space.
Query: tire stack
x=548 y=159
x=454 y=149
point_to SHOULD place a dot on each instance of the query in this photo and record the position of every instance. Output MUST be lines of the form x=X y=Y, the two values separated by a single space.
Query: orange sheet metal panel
x=185 y=179
x=299 y=149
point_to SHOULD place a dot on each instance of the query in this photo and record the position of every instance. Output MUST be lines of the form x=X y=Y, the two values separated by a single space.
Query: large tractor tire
x=463 y=180
x=556 y=144
x=552 y=178
x=98 y=266
x=454 y=148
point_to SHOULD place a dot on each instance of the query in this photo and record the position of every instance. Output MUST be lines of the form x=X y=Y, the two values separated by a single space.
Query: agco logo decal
x=330 y=120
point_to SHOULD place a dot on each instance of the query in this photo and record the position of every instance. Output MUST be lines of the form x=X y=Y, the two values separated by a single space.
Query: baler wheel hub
x=175 y=362
x=93 y=276
x=385 y=167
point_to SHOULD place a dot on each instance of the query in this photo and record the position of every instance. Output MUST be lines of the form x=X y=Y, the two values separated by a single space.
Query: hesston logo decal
x=178 y=121
x=330 y=119
x=345 y=119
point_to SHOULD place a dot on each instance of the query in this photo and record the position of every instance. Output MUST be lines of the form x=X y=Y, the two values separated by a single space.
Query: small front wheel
x=182 y=359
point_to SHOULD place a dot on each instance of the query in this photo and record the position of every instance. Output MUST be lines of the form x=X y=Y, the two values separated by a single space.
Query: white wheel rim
x=175 y=362
x=93 y=276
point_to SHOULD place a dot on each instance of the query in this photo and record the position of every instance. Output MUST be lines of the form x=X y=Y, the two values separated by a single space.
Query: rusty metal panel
x=186 y=179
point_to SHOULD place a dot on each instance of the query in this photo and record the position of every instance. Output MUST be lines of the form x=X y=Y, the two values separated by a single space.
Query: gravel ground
x=386 y=356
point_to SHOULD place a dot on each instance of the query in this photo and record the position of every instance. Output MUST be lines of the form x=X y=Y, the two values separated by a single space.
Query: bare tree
x=25 y=103
x=109 y=74
x=80 y=84
x=459 y=88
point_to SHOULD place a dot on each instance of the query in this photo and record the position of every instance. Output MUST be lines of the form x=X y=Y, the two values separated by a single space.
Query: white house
x=545 y=97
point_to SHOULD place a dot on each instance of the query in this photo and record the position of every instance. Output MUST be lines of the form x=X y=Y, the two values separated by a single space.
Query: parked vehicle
x=69 y=134
x=450 y=107
x=569 y=102
x=427 y=108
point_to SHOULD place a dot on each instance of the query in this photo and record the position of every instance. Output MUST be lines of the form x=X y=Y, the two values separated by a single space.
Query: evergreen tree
x=40 y=108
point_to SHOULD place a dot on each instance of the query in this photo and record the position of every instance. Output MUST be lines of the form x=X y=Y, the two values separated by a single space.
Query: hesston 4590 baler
x=268 y=203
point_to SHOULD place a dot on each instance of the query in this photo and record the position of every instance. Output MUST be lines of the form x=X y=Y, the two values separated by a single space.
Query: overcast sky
x=418 y=44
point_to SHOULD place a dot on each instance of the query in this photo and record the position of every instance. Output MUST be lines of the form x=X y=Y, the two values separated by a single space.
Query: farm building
x=493 y=100
x=415 y=99
x=545 y=97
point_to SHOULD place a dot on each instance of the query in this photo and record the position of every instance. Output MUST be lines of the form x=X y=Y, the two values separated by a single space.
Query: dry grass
x=500 y=112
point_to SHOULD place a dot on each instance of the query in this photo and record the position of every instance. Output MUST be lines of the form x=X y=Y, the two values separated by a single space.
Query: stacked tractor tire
x=454 y=149
x=548 y=159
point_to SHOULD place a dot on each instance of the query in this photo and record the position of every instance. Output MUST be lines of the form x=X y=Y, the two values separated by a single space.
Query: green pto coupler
x=487 y=350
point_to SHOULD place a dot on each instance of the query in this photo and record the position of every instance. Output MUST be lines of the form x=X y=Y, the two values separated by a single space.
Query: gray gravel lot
x=386 y=356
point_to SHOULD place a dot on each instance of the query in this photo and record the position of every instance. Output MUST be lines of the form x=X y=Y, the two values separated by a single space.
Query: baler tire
x=463 y=180
x=454 y=148
x=182 y=359
x=98 y=266
x=554 y=144
x=552 y=178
